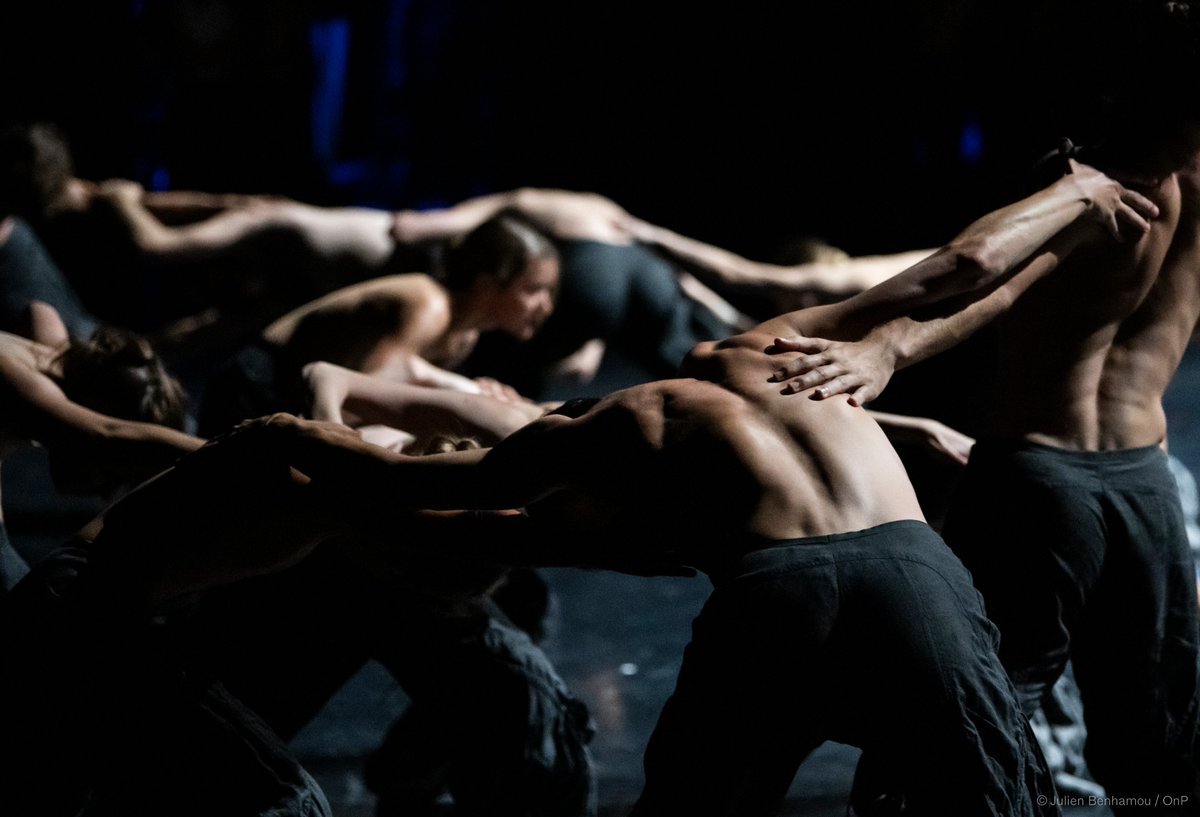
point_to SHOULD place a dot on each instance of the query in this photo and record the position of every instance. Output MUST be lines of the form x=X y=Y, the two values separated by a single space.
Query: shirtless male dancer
x=800 y=512
x=1069 y=518
x=723 y=474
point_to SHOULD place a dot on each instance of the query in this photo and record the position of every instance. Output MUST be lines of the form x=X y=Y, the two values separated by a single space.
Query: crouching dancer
x=837 y=613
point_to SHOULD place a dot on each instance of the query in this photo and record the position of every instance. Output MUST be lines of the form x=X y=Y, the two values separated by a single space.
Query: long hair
x=117 y=373
x=501 y=248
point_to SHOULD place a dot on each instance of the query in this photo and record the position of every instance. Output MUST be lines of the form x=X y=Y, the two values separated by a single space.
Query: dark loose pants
x=874 y=638
x=505 y=735
x=106 y=719
x=1084 y=555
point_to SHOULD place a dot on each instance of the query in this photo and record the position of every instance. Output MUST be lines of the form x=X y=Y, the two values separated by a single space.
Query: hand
x=580 y=367
x=498 y=391
x=1124 y=213
x=275 y=431
x=860 y=369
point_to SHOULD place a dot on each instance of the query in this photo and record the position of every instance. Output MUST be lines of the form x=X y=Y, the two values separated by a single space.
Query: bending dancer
x=617 y=295
x=1096 y=566
x=105 y=410
x=502 y=276
x=801 y=514
x=253 y=257
x=798 y=509
x=154 y=623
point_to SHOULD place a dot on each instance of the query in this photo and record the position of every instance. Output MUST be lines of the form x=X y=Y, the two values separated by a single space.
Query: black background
x=741 y=124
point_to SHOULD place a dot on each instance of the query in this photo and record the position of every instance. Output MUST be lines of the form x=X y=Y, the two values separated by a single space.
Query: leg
x=1136 y=651
x=145 y=733
x=929 y=702
x=742 y=717
x=1033 y=540
x=512 y=740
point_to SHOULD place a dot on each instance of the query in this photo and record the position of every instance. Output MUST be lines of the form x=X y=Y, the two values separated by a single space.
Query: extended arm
x=185 y=206
x=964 y=286
x=373 y=483
x=419 y=410
x=936 y=438
x=412 y=226
x=37 y=409
x=223 y=232
x=724 y=270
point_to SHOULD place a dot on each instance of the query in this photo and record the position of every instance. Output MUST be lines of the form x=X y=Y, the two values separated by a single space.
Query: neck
x=6 y=228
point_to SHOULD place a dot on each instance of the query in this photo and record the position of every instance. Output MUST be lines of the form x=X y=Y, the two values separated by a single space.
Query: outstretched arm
x=220 y=233
x=551 y=453
x=185 y=206
x=936 y=438
x=36 y=408
x=727 y=271
x=854 y=346
x=420 y=410
x=412 y=226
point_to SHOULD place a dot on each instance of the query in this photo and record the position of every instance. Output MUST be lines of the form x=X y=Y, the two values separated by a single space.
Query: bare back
x=574 y=216
x=711 y=464
x=1087 y=352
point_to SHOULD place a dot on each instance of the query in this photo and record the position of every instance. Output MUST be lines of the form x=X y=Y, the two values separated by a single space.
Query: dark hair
x=117 y=373
x=35 y=167
x=502 y=247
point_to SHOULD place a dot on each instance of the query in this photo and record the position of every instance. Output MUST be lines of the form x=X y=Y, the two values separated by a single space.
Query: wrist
x=891 y=341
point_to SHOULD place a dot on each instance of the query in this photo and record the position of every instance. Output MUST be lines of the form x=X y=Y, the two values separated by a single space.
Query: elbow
x=154 y=243
x=316 y=371
x=977 y=264
x=524 y=199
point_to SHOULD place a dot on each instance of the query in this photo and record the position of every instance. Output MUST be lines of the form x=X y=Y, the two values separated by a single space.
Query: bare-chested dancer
x=801 y=513
x=1069 y=518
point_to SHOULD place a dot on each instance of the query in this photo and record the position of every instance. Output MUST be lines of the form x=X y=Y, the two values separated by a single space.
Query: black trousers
x=105 y=717
x=1084 y=555
x=874 y=638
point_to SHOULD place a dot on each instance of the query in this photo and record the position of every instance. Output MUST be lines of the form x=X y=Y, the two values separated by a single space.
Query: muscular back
x=1087 y=352
x=727 y=458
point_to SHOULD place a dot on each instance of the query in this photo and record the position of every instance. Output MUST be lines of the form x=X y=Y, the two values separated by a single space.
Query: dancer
x=1096 y=567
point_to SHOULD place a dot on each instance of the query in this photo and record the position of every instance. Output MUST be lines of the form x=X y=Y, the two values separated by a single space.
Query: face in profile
x=522 y=305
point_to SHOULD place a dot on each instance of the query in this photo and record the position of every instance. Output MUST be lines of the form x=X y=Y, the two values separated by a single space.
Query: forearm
x=416 y=409
x=182 y=206
x=413 y=226
x=423 y=373
x=373 y=483
x=850 y=275
x=913 y=338
x=147 y=232
x=974 y=264
x=714 y=266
